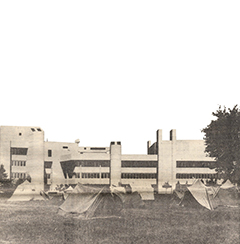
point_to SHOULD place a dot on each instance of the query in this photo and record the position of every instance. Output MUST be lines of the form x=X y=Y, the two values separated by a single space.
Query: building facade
x=23 y=152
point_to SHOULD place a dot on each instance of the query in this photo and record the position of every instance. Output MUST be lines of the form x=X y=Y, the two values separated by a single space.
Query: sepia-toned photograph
x=120 y=122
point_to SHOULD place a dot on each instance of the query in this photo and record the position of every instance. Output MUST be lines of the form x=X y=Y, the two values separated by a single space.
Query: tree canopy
x=3 y=174
x=222 y=139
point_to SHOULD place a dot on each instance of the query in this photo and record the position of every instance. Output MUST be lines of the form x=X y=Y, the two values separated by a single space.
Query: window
x=196 y=164
x=19 y=151
x=196 y=176
x=49 y=153
x=139 y=164
x=90 y=175
x=20 y=134
x=93 y=163
x=97 y=148
x=112 y=143
x=119 y=143
x=105 y=175
x=38 y=129
x=65 y=147
x=32 y=129
x=19 y=175
x=138 y=176
x=48 y=164
x=18 y=163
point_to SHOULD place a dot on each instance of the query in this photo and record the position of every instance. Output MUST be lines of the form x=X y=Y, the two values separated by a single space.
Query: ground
x=161 y=221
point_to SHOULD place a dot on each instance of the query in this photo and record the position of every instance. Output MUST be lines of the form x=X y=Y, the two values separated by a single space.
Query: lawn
x=161 y=221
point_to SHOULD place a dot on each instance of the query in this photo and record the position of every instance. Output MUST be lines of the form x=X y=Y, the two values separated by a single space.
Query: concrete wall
x=23 y=137
x=169 y=152
x=166 y=156
x=115 y=163
x=35 y=161
x=58 y=150
x=138 y=158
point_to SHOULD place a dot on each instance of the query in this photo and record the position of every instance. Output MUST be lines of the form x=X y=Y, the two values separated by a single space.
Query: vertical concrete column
x=148 y=146
x=35 y=162
x=173 y=136
x=115 y=163
x=5 y=149
x=173 y=139
x=166 y=152
x=57 y=176
x=160 y=158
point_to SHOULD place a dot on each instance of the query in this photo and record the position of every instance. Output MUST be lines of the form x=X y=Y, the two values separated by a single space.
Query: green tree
x=222 y=139
x=3 y=174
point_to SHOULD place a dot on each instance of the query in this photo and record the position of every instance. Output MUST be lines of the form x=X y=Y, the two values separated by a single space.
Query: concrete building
x=180 y=161
x=23 y=152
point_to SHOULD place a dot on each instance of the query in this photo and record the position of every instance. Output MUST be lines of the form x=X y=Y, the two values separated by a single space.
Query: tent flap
x=197 y=192
x=88 y=202
x=26 y=192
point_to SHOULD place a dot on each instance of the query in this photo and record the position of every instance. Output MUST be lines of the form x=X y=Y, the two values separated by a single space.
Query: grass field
x=160 y=221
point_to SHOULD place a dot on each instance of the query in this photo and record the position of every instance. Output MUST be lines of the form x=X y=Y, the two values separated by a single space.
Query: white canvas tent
x=227 y=185
x=117 y=189
x=27 y=192
x=129 y=199
x=226 y=195
x=90 y=202
x=68 y=190
x=197 y=195
x=146 y=191
x=210 y=197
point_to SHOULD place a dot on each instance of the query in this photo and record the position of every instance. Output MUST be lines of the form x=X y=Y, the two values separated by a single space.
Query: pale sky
x=103 y=71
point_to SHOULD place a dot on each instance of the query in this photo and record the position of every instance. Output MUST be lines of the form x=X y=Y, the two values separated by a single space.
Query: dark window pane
x=49 y=153
x=19 y=151
x=139 y=164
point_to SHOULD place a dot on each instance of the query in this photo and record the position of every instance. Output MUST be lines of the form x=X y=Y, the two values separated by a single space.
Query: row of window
x=196 y=164
x=34 y=129
x=18 y=163
x=19 y=151
x=66 y=147
x=139 y=164
x=93 y=175
x=114 y=143
x=23 y=151
x=196 y=176
x=93 y=163
x=138 y=176
x=106 y=163
x=19 y=175
x=97 y=148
